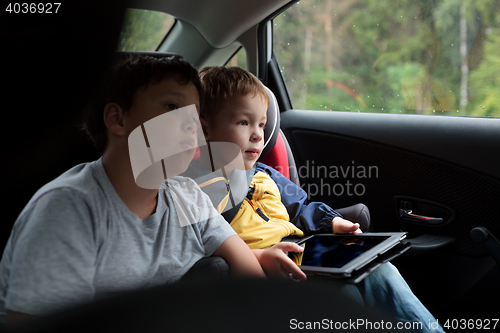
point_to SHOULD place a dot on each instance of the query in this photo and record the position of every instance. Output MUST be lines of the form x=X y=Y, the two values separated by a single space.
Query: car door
x=428 y=165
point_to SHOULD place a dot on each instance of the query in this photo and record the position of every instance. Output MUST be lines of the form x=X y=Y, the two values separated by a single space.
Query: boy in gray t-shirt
x=97 y=229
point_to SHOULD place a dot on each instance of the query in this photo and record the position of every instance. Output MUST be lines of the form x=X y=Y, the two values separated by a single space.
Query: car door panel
x=446 y=166
x=410 y=160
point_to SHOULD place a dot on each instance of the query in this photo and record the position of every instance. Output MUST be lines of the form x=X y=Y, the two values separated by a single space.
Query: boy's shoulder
x=75 y=196
x=80 y=178
x=263 y=167
x=273 y=173
x=81 y=181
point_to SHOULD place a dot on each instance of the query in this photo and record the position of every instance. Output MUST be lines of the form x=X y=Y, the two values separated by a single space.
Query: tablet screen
x=336 y=252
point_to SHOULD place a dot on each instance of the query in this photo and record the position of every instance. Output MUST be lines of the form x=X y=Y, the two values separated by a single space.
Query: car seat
x=481 y=235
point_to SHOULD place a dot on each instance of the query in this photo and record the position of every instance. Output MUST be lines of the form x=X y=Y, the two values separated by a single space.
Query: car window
x=143 y=30
x=239 y=59
x=412 y=57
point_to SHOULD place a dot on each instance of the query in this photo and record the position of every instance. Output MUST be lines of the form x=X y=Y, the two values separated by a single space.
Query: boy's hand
x=239 y=257
x=276 y=263
x=342 y=226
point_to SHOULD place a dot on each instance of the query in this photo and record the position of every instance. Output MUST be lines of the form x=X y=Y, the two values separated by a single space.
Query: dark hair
x=129 y=74
x=222 y=83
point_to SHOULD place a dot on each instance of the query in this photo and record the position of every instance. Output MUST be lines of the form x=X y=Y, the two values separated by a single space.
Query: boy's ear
x=204 y=127
x=113 y=118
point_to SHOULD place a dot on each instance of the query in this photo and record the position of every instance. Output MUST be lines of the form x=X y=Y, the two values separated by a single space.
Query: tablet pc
x=343 y=255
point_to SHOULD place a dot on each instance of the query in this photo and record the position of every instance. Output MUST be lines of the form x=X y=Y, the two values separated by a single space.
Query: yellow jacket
x=262 y=219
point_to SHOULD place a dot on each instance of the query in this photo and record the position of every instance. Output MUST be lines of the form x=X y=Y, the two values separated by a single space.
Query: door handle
x=421 y=211
x=407 y=214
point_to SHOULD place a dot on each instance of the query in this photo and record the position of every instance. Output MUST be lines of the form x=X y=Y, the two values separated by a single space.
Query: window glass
x=143 y=30
x=417 y=57
x=239 y=59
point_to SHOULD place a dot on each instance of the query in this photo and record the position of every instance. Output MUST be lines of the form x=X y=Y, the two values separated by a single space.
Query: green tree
x=390 y=56
x=143 y=30
x=486 y=79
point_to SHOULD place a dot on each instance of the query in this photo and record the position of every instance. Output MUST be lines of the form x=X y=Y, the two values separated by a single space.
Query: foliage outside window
x=239 y=59
x=421 y=57
x=143 y=30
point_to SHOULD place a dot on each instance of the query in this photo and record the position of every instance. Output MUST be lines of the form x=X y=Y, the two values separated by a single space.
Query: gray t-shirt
x=76 y=241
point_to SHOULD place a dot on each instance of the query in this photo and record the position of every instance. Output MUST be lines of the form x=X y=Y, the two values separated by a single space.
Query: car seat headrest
x=271 y=131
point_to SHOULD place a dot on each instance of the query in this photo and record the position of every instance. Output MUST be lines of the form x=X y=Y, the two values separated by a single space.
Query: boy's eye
x=242 y=122
x=171 y=106
x=262 y=125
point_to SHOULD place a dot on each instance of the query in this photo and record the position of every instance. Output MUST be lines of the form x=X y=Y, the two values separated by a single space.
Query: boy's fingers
x=340 y=225
x=288 y=269
x=293 y=271
x=289 y=247
x=346 y=226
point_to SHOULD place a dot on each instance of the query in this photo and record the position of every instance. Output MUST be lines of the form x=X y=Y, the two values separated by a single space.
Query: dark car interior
x=437 y=178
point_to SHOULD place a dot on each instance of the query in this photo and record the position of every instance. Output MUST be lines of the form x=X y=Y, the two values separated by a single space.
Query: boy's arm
x=312 y=217
x=241 y=260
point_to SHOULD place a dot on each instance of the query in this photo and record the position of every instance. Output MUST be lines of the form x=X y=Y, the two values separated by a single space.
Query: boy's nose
x=189 y=124
x=256 y=136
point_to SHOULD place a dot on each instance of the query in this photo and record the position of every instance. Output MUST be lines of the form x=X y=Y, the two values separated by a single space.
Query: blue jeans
x=386 y=289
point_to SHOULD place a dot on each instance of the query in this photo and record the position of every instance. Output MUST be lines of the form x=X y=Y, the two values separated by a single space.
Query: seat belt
x=220 y=207
x=231 y=213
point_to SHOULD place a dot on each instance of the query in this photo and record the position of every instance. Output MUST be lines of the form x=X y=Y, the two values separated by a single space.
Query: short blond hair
x=223 y=83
